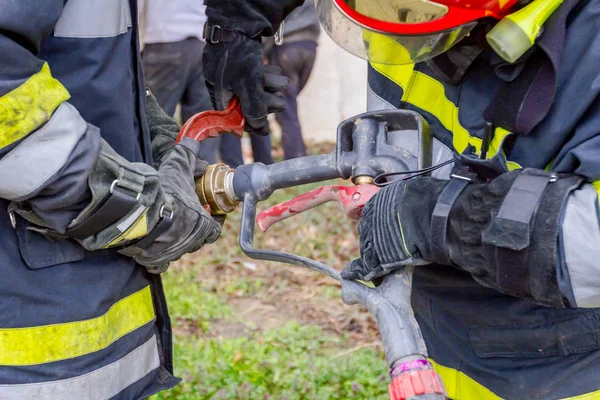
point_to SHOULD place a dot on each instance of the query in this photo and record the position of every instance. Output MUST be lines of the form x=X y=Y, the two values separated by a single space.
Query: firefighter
x=505 y=241
x=96 y=201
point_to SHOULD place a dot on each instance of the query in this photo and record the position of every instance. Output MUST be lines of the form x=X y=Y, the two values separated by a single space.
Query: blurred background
x=246 y=329
x=336 y=90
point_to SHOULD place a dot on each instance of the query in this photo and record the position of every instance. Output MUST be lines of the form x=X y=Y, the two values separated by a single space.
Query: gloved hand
x=163 y=129
x=183 y=225
x=153 y=216
x=163 y=134
x=517 y=257
x=394 y=228
x=234 y=66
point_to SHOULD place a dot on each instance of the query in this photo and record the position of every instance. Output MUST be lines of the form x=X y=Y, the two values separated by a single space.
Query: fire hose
x=368 y=146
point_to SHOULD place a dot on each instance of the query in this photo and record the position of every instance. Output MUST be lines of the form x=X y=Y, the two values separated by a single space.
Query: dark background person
x=172 y=59
x=231 y=149
x=296 y=58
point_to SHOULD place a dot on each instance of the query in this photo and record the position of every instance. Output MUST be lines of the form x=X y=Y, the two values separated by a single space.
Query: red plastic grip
x=416 y=383
x=210 y=123
x=352 y=199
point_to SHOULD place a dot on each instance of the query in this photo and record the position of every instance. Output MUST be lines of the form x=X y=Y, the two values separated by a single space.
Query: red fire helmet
x=403 y=31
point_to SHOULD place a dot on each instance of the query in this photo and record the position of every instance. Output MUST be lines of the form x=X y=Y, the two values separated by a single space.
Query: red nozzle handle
x=421 y=383
x=210 y=123
x=352 y=199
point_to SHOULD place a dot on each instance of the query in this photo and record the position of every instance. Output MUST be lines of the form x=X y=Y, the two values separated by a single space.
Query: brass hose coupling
x=215 y=189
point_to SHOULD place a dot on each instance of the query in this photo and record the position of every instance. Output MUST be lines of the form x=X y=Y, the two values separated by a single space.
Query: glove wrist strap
x=214 y=33
x=119 y=202
x=166 y=219
x=439 y=219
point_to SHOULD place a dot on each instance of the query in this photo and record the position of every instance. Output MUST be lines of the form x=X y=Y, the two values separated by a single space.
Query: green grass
x=222 y=352
x=294 y=362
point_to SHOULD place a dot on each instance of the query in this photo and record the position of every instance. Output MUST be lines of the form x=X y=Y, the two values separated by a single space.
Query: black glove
x=516 y=258
x=235 y=66
x=394 y=228
x=191 y=226
x=255 y=18
x=163 y=134
x=163 y=129
x=233 y=61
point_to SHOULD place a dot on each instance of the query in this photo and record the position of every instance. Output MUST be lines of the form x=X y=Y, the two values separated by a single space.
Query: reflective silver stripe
x=42 y=154
x=93 y=19
x=129 y=221
x=100 y=384
x=581 y=238
x=409 y=140
x=376 y=102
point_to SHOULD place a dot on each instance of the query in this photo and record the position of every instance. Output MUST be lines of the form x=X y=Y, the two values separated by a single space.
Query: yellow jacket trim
x=597 y=186
x=30 y=105
x=499 y=135
x=49 y=343
x=427 y=94
x=462 y=387
x=138 y=229
x=587 y=396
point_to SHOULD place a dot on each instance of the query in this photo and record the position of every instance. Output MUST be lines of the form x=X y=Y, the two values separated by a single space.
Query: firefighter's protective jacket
x=73 y=324
x=484 y=344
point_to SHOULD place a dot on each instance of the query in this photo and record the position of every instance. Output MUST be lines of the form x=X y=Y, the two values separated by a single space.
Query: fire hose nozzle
x=215 y=189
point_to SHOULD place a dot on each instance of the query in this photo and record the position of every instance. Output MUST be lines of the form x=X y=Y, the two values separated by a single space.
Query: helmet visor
x=384 y=47
x=398 y=11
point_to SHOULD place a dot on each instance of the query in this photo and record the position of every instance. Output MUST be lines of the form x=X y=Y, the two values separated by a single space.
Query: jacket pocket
x=40 y=252
x=93 y=19
x=578 y=334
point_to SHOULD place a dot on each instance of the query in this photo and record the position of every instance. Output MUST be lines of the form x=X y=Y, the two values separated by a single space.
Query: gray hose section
x=390 y=304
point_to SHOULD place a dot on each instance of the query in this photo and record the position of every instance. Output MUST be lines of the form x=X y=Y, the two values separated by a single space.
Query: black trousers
x=296 y=60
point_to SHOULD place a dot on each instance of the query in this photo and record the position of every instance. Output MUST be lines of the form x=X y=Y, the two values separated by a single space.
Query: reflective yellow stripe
x=499 y=135
x=27 y=107
x=597 y=186
x=103 y=383
x=462 y=387
x=424 y=92
x=385 y=49
x=44 y=344
x=427 y=94
x=138 y=229
x=587 y=396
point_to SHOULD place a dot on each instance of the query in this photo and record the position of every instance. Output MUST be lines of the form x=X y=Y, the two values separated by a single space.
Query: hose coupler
x=215 y=189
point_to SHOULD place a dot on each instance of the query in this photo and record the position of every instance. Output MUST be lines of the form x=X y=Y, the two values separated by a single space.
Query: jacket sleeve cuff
x=578 y=269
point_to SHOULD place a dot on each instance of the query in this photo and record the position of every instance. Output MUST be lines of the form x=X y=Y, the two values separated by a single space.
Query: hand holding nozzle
x=214 y=187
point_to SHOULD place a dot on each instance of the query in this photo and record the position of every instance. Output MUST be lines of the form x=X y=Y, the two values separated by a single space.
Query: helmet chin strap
x=451 y=66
